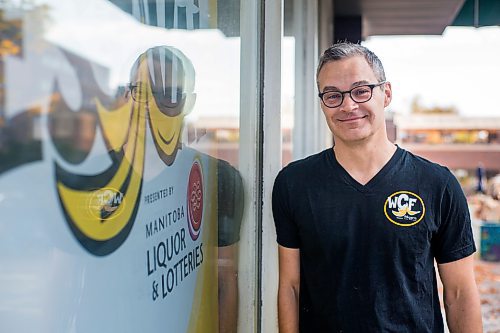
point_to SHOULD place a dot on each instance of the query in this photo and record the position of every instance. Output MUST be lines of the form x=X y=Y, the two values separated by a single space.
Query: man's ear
x=388 y=94
x=190 y=101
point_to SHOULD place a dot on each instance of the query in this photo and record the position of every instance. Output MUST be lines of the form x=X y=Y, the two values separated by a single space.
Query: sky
x=459 y=69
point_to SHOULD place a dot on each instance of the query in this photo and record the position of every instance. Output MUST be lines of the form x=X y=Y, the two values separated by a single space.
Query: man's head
x=354 y=93
x=346 y=50
x=162 y=78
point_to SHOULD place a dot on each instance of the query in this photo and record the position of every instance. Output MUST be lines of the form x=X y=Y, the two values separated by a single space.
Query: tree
x=418 y=108
x=10 y=36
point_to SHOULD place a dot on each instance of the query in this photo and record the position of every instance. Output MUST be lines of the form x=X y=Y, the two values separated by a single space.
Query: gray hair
x=166 y=54
x=345 y=50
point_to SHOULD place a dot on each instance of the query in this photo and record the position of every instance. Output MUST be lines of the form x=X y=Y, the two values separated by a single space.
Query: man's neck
x=364 y=160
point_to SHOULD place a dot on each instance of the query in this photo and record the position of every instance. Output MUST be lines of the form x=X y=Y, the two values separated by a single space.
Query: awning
x=400 y=17
x=479 y=13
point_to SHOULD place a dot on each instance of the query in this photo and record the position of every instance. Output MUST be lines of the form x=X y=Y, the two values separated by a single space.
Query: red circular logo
x=195 y=200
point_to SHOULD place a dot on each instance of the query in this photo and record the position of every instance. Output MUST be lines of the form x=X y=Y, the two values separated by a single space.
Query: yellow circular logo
x=404 y=208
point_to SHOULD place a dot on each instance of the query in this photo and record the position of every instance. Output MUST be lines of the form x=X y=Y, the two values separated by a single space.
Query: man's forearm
x=463 y=312
x=228 y=310
x=288 y=310
x=228 y=289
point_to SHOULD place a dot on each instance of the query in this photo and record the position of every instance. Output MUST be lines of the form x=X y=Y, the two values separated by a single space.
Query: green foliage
x=418 y=108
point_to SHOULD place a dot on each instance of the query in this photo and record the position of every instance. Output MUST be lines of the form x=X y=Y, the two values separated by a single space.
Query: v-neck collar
x=375 y=180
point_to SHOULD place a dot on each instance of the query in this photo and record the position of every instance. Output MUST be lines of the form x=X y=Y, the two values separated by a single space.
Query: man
x=360 y=225
x=163 y=79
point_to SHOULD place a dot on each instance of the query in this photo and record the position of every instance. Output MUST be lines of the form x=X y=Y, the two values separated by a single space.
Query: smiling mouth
x=351 y=119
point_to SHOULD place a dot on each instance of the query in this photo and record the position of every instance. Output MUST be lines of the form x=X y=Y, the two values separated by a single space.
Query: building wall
x=454 y=141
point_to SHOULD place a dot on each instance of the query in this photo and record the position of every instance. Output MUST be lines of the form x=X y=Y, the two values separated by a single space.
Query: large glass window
x=121 y=196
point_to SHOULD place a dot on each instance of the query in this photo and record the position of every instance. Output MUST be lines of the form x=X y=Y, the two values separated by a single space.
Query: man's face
x=161 y=86
x=353 y=122
x=166 y=105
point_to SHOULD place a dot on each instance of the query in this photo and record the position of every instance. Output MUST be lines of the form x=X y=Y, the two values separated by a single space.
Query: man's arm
x=461 y=298
x=228 y=288
x=288 y=291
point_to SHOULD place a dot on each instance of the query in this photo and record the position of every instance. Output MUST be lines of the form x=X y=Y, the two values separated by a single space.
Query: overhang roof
x=445 y=122
x=401 y=17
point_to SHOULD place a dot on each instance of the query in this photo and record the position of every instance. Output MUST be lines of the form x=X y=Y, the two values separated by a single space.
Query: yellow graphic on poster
x=102 y=213
x=102 y=208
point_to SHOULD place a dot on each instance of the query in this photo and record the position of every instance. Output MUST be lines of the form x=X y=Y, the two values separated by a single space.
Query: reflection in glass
x=19 y=142
x=88 y=150
x=167 y=90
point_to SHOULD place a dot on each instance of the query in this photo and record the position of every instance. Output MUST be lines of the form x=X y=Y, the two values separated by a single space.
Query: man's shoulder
x=305 y=166
x=303 y=172
x=428 y=169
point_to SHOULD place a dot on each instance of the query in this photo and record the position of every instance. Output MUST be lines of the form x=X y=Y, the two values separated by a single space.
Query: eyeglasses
x=163 y=99
x=359 y=94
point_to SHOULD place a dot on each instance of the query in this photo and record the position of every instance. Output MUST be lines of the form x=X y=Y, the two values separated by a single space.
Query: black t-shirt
x=367 y=251
x=230 y=198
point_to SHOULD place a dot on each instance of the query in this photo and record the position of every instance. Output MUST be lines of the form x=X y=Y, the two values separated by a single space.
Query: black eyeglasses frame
x=342 y=93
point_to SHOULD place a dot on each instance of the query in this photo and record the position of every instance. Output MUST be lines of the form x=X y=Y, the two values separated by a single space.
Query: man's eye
x=333 y=96
x=139 y=86
x=361 y=91
x=167 y=99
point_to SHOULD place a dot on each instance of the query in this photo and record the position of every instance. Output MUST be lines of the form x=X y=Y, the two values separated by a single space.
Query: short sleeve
x=286 y=228
x=454 y=239
x=230 y=203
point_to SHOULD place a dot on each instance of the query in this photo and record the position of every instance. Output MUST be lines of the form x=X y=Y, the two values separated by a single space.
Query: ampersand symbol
x=155 y=290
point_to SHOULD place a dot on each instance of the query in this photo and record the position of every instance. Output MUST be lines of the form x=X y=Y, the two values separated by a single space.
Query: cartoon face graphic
x=163 y=79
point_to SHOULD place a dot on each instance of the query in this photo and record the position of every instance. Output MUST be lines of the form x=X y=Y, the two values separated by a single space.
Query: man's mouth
x=351 y=119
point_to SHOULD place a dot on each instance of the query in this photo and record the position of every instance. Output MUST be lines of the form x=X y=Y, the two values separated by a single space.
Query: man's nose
x=348 y=103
